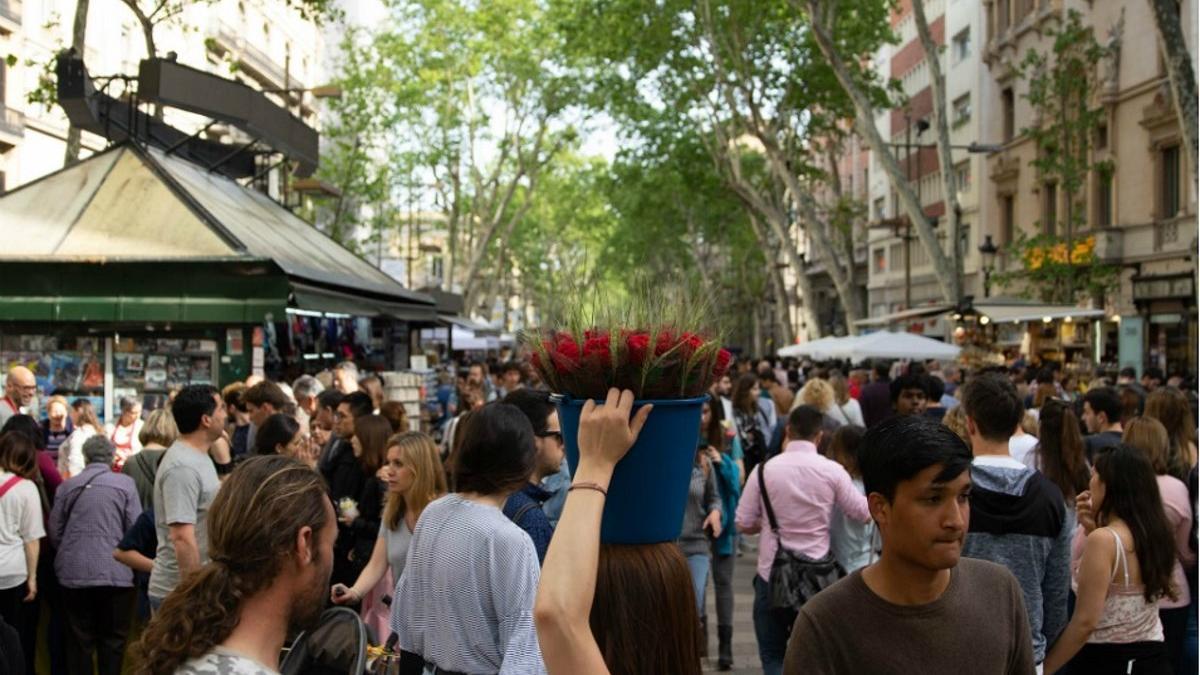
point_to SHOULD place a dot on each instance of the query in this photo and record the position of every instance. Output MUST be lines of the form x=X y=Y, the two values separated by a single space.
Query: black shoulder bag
x=795 y=577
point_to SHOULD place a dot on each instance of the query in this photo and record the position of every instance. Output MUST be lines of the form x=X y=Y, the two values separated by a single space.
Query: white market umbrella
x=815 y=348
x=892 y=345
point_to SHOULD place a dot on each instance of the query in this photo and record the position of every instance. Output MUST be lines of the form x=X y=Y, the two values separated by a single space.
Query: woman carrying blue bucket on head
x=617 y=543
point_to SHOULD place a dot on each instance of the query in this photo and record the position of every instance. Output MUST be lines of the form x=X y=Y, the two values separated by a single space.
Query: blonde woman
x=956 y=420
x=818 y=393
x=845 y=409
x=156 y=435
x=415 y=478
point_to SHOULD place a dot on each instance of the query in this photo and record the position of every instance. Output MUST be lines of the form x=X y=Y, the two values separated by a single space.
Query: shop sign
x=1170 y=287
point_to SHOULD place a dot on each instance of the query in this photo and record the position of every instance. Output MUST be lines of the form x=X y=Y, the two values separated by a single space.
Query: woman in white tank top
x=1124 y=569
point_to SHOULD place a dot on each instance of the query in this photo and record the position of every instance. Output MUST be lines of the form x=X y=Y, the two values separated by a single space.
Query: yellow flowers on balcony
x=1082 y=253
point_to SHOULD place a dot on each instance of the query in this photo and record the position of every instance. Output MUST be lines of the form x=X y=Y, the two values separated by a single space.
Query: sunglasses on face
x=556 y=435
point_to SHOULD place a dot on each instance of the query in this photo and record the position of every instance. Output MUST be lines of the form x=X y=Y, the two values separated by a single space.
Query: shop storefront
x=1166 y=322
x=135 y=272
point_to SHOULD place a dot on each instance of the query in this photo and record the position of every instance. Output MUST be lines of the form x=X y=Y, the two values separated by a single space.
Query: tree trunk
x=1179 y=72
x=865 y=122
x=843 y=279
x=78 y=43
x=778 y=287
x=941 y=127
x=471 y=279
x=804 y=285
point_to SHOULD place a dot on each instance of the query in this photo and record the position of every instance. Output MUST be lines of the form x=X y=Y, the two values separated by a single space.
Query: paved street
x=745 y=649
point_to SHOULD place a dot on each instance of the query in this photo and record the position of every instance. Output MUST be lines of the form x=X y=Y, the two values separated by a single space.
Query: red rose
x=689 y=343
x=722 y=365
x=664 y=344
x=594 y=333
x=565 y=353
x=637 y=344
x=597 y=345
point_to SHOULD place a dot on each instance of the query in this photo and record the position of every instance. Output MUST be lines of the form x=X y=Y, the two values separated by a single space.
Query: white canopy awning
x=889 y=345
x=813 y=348
x=1023 y=312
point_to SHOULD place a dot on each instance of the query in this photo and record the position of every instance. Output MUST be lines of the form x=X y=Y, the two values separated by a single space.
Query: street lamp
x=988 y=251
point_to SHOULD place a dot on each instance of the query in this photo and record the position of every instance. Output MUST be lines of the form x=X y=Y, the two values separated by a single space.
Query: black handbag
x=794 y=577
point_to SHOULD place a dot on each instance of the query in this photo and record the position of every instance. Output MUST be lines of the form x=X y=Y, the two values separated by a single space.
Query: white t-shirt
x=1020 y=447
x=224 y=661
x=20 y=522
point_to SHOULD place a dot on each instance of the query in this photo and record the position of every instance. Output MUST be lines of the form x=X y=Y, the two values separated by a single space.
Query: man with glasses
x=20 y=388
x=525 y=506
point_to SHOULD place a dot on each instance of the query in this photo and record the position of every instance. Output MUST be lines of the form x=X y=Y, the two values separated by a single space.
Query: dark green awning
x=231 y=292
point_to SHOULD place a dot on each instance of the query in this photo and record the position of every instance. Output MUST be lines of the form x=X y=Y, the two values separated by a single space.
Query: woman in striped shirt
x=464 y=603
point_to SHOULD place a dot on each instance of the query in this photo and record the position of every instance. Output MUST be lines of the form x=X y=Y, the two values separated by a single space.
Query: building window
x=1050 y=208
x=1002 y=16
x=1169 y=190
x=962 y=45
x=1104 y=184
x=1009 y=113
x=1007 y=220
x=1101 y=136
x=896 y=253
x=962 y=110
x=964 y=239
x=878 y=209
x=962 y=175
x=879 y=256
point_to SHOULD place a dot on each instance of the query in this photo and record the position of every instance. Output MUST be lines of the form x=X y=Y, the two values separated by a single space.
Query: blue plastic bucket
x=649 y=487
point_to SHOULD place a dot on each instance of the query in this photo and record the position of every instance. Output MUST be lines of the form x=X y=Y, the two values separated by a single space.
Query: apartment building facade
x=901 y=275
x=260 y=42
x=1142 y=213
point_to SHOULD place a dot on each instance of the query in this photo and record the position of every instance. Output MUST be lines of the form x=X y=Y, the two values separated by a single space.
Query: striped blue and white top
x=465 y=600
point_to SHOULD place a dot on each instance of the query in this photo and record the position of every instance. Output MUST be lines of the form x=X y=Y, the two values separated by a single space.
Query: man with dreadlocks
x=270 y=533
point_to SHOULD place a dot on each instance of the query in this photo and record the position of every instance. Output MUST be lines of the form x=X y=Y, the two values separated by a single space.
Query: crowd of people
x=901 y=516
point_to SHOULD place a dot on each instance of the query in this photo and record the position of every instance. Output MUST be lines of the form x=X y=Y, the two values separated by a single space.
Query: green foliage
x=1049 y=274
x=1062 y=87
x=1063 y=83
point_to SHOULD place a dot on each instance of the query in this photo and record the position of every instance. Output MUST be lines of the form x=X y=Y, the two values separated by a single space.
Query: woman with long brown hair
x=21 y=530
x=1059 y=454
x=1125 y=568
x=415 y=477
x=625 y=610
x=1170 y=407
x=358 y=496
x=70 y=453
x=751 y=420
x=1148 y=435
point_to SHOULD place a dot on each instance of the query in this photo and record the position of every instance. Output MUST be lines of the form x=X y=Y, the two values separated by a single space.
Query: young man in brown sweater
x=919 y=608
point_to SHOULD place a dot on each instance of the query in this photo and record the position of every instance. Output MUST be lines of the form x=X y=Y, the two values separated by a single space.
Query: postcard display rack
x=407 y=388
x=72 y=367
x=153 y=367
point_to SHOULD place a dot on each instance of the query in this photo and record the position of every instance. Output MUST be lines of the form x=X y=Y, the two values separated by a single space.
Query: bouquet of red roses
x=659 y=362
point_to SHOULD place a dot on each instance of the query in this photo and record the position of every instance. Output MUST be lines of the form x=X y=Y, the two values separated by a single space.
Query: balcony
x=12 y=128
x=252 y=60
x=10 y=16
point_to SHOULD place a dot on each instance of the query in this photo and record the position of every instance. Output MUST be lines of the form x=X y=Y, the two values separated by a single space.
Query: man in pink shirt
x=804 y=488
